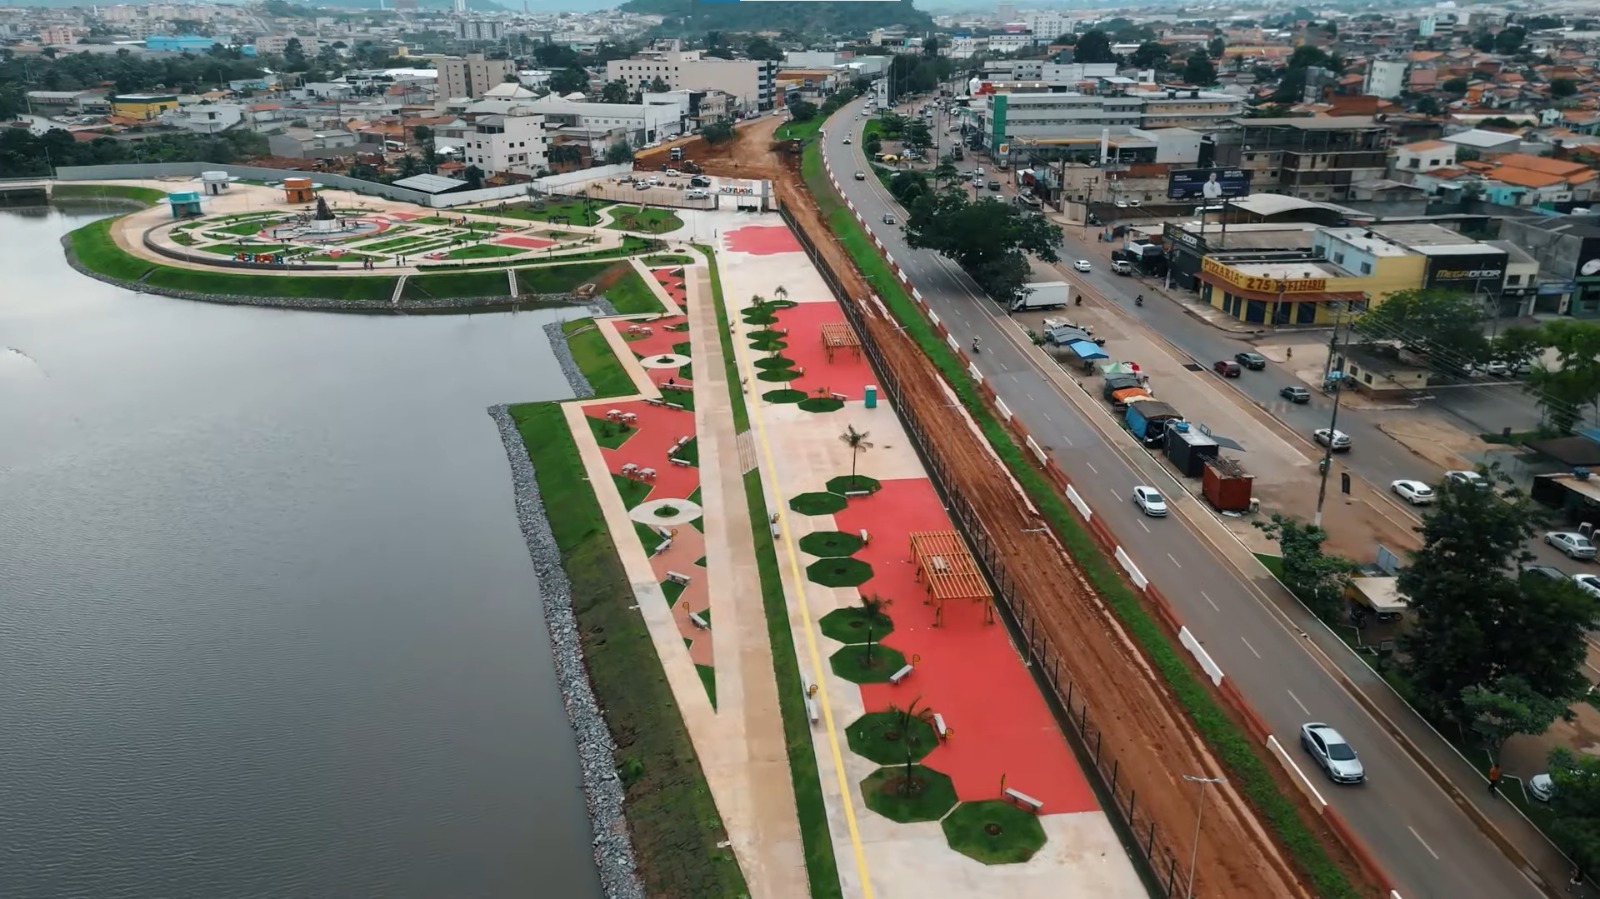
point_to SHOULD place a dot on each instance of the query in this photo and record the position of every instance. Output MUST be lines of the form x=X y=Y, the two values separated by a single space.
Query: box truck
x=1043 y=295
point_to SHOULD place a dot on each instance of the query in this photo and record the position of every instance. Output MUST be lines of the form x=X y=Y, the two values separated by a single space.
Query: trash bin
x=871 y=396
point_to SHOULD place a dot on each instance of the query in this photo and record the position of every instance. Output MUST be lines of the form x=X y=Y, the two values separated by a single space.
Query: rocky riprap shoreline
x=613 y=851
x=569 y=366
x=451 y=304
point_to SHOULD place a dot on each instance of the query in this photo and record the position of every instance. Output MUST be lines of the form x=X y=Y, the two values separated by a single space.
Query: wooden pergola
x=836 y=335
x=948 y=571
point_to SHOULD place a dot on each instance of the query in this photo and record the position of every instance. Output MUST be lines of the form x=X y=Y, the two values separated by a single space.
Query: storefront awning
x=1352 y=296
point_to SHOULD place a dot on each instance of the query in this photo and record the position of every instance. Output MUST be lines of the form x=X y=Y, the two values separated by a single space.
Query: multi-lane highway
x=1428 y=847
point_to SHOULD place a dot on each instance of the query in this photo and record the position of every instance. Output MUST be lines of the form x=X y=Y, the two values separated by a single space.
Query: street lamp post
x=1200 y=810
x=1333 y=421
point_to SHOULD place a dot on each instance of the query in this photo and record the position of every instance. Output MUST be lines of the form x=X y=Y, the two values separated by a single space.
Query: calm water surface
x=267 y=624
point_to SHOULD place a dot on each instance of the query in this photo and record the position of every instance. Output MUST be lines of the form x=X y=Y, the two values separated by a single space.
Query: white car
x=861 y=176
x=847 y=141
x=1541 y=787
x=1332 y=754
x=673 y=173
x=1414 y=492
x=1081 y=265
x=1588 y=583
x=1150 y=501
x=1574 y=544
x=1338 y=441
x=1468 y=479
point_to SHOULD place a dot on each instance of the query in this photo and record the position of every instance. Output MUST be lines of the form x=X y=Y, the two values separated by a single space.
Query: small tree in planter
x=856 y=440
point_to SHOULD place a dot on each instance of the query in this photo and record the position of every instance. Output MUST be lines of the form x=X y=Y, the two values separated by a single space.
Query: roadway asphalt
x=1425 y=844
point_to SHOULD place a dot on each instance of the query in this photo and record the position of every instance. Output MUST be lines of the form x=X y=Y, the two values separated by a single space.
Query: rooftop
x=1367 y=240
x=1286 y=270
x=1418 y=235
x=1313 y=123
x=1481 y=139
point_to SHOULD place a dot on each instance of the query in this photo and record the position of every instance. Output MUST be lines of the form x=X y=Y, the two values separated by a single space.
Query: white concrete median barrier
x=1078 y=503
x=1004 y=410
x=1133 y=570
x=1036 y=449
x=1200 y=655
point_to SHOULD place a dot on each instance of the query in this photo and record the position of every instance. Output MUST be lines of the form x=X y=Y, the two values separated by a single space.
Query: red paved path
x=762 y=240
x=529 y=243
x=658 y=429
x=847 y=374
x=969 y=672
x=671 y=279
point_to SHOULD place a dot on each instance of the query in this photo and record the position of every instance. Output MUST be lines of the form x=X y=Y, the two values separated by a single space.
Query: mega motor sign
x=1207 y=184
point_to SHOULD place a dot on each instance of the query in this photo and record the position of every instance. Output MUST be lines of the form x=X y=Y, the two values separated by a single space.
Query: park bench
x=1024 y=800
x=900 y=675
x=663 y=546
x=684 y=463
x=839 y=396
x=865 y=537
x=938 y=725
x=697 y=621
x=677 y=578
x=811 y=709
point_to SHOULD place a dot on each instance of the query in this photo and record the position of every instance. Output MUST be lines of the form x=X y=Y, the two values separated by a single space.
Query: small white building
x=205 y=118
x=1424 y=156
x=513 y=143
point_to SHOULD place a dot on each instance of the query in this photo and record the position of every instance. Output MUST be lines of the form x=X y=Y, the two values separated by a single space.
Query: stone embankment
x=613 y=851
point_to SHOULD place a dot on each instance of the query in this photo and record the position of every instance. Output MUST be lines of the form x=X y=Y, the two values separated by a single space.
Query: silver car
x=1574 y=544
x=1332 y=753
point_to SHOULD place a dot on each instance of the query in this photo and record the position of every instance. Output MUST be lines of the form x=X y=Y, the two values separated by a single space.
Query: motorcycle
x=975 y=347
x=1138 y=300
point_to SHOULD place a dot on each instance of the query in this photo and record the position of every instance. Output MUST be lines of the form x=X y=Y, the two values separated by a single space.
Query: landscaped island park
x=783 y=667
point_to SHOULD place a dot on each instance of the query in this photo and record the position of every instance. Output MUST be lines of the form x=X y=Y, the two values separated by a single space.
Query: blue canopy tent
x=1086 y=350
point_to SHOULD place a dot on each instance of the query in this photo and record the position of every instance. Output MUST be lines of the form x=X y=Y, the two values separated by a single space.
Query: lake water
x=267 y=624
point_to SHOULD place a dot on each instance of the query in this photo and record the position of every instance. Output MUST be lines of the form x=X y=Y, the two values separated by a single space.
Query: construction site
x=1108 y=695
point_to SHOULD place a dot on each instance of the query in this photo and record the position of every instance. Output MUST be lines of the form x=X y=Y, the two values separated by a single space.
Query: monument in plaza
x=323 y=220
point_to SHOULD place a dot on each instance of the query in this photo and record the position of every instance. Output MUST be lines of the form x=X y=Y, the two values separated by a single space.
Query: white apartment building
x=1423 y=156
x=753 y=81
x=1047 y=25
x=480 y=29
x=514 y=143
x=56 y=35
x=600 y=124
x=274 y=44
x=1011 y=42
x=205 y=118
x=1386 y=78
x=471 y=77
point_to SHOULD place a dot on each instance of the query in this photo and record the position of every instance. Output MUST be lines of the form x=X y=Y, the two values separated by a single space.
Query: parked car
x=888 y=218
x=1227 y=368
x=1541 y=787
x=994 y=185
x=1588 y=583
x=861 y=176
x=1332 y=753
x=1545 y=571
x=1338 y=441
x=672 y=173
x=1574 y=544
x=696 y=193
x=1081 y=265
x=699 y=181
x=1468 y=479
x=1295 y=394
x=1414 y=492
x=1150 y=501
x=1252 y=361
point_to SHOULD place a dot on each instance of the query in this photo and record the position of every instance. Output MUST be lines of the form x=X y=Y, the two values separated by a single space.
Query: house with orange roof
x=1423 y=156
x=1520 y=179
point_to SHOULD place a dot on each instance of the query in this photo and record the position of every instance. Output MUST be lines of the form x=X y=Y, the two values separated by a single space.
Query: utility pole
x=1199 y=810
x=1326 y=465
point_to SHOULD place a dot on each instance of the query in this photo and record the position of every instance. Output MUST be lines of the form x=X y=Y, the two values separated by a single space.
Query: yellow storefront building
x=143 y=107
x=1348 y=270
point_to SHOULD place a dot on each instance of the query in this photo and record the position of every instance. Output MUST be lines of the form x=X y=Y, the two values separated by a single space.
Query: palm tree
x=780 y=292
x=907 y=719
x=873 y=604
x=857 y=441
x=945 y=171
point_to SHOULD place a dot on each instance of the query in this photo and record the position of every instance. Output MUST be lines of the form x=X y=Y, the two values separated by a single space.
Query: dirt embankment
x=748 y=155
x=1143 y=726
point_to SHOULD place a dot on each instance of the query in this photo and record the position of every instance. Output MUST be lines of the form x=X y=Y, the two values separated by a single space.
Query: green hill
x=810 y=18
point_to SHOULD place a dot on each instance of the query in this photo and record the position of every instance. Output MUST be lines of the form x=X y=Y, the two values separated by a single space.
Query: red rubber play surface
x=969 y=671
x=404 y=216
x=762 y=240
x=658 y=429
x=527 y=243
x=671 y=280
x=847 y=374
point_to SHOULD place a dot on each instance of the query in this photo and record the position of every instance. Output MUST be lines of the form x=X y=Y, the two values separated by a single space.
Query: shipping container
x=1189 y=447
x=1226 y=486
x=1148 y=420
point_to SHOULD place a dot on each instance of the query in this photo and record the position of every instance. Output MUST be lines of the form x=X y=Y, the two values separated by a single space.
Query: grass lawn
x=649 y=537
x=558 y=278
x=632 y=492
x=635 y=218
x=485 y=251
x=925 y=796
x=798 y=130
x=666 y=259
x=708 y=679
x=347 y=256
x=672 y=819
x=456 y=284
x=395 y=244
x=821 y=867
x=607 y=433
x=741 y=415
x=1248 y=767
x=684 y=398
x=469 y=224
x=95 y=248
x=690 y=452
x=994 y=832
x=247 y=227
x=70 y=191
x=569 y=212
x=630 y=294
x=595 y=359
x=228 y=249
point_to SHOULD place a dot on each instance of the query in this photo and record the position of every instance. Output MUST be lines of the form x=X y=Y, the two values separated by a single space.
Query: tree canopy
x=1093 y=46
x=988 y=238
x=1447 y=325
x=1573 y=382
x=1199 y=70
x=717 y=132
x=1476 y=624
x=1576 y=805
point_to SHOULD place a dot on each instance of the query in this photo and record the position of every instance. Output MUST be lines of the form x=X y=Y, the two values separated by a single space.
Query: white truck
x=1043 y=295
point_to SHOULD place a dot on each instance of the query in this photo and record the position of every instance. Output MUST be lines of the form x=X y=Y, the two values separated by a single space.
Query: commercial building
x=514 y=143
x=1314 y=158
x=1036 y=115
x=598 y=125
x=1386 y=78
x=144 y=107
x=178 y=43
x=275 y=44
x=1568 y=250
x=60 y=35
x=304 y=143
x=752 y=81
x=472 y=77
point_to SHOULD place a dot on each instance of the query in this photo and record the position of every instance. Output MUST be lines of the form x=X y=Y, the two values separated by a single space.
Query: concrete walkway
x=740 y=743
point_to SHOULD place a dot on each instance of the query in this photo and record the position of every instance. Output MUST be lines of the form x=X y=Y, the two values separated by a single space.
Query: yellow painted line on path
x=798 y=576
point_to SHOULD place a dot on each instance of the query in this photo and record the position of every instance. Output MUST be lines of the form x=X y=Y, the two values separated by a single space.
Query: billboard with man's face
x=1207 y=184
